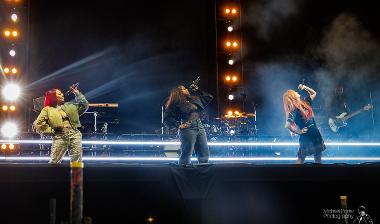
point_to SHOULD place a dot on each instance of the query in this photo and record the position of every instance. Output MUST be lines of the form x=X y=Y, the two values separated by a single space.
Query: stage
x=215 y=193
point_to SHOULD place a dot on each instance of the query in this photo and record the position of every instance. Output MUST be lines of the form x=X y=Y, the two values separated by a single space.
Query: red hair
x=50 y=98
x=291 y=103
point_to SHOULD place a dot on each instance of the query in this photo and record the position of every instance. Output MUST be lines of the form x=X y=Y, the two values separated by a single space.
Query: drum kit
x=231 y=125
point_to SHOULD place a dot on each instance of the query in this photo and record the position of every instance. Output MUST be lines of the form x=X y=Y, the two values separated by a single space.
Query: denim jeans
x=194 y=138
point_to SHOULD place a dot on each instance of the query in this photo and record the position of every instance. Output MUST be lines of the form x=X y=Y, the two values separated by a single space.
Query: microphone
x=73 y=86
x=195 y=82
x=299 y=86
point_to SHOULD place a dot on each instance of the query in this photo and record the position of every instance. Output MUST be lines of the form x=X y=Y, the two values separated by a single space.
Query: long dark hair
x=177 y=96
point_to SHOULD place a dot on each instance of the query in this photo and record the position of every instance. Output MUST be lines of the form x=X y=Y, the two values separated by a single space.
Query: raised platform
x=222 y=193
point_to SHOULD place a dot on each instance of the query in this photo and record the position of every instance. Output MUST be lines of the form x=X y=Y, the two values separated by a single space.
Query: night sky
x=132 y=53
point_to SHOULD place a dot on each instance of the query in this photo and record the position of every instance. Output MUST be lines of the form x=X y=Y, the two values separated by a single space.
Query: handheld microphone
x=195 y=82
x=73 y=86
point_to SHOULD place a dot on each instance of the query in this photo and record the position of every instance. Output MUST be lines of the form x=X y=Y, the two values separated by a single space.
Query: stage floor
x=219 y=193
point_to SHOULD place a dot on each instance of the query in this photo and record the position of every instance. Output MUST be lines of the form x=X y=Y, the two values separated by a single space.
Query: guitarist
x=338 y=106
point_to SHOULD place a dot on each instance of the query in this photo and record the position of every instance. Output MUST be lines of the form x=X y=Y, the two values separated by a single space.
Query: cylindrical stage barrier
x=76 y=193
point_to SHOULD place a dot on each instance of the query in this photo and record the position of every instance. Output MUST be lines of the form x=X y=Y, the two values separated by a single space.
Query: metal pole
x=53 y=210
x=76 y=193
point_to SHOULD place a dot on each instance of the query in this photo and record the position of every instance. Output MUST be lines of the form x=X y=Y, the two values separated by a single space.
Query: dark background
x=133 y=53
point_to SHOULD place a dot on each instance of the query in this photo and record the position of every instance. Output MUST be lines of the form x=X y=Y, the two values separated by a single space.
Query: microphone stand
x=372 y=115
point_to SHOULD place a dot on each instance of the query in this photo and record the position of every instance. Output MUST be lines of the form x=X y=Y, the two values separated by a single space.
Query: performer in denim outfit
x=182 y=112
x=61 y=121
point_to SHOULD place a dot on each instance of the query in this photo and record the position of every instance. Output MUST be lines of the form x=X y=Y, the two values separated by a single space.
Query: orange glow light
x=7 y=33
x=11 y=146
x=14 y=70
x=228 y=44
x=6 y=70
x=236 y=112
x=229 y=112
x=4 y=108
x=234 y=78
x=233 y=11
x=228 y=78
x=227 y=11
x=14 y=33
x=3 y=146
x=12 y=108
x=234 y=44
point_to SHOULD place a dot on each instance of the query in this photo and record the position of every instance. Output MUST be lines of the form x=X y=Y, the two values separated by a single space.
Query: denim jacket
x=50 y=119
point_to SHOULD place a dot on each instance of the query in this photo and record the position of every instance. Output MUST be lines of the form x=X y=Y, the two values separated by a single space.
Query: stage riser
x=232 y=193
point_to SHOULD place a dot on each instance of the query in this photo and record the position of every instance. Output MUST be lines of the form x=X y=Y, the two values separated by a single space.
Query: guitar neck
x=352 y=115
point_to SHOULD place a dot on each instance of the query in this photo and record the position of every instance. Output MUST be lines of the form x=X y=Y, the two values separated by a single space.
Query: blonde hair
x=292 y=102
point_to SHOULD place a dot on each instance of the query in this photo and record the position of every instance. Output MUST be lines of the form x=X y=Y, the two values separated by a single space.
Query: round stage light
x=12 y=53
x=14 y=70
x=230 y=28
x=227 y=11
x=7 y=33
x=230 y=62
x=3 y=146
x=229 y=112
x=6 y=70
x=14 y=33
x=11 y=92
x=234 y=78
x=12 y=108
x=233 y=11
x=9 y=130
x=228 y=44
x=228 y=78
x=231 y=96
x=236 y=112
x=11 y=146
x=14 y=17
x=234 y=44
x=4 y=108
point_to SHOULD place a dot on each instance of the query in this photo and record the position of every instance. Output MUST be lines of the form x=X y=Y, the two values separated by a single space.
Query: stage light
x=12 y=108
x=6 y=70
x=11 y=146
x=14 y=70
x=228 y=78
x=11 y=91
x=228 y=44
x=231 y=97
x=232 y=132
x=150 y=219
x=230 y=62
x=14 y=17
x=7 y=33
x=4 y=108
x=234 y=11
x=236 y=112
x=230 y=28
x=235 y=44
x=227 y=11
x=234 y=78
x=9 y=130
x=229 y=112
x=3 y=146
x=14 y=33
x=12 y=53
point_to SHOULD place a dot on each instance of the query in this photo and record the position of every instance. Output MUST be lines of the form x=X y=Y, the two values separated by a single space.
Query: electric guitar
x=341 y=120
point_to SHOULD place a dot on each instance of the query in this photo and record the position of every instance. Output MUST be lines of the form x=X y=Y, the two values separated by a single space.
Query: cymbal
x=250 y=115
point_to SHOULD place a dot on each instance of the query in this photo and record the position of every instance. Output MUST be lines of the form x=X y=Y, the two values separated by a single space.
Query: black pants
x=194 y=138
